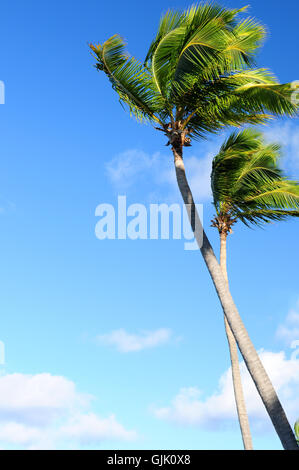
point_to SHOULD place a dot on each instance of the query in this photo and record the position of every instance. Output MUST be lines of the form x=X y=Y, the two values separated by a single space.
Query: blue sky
x=64 y=292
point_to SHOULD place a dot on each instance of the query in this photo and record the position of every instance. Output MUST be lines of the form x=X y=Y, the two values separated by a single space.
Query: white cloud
x=45 y=411
x=16 y=433
x=124 y=169
x=289 y=330
x=287 y=134
x=190 y=407
x=89 y=428
x=126 y=342
x=199 y=171
x=43 y=397
x=137 y=167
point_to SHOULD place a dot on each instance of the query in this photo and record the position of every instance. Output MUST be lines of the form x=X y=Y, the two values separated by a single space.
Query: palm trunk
x=233 y=351
x=250 y=356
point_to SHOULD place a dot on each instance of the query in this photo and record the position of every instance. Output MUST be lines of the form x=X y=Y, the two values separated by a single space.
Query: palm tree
x=197 y=78
x=247 y=185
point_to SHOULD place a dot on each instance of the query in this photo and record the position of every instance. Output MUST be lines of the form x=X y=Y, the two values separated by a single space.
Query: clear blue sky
x=62 y=128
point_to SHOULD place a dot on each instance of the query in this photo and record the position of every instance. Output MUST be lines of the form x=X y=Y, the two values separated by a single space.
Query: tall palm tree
x=247 y=185
x=197 y=78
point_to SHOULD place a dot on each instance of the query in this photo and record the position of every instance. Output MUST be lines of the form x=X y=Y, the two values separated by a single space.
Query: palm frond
x=129 y=78
x=282 y=194
x=225 y=52
x=247 y=182
x=239 y=142
x=164 y=57
x=198 y=73
x=220 y=94
x=246 y=38
x=264 y=216
x=193 y=45
x=169 y=21
x=273 y=98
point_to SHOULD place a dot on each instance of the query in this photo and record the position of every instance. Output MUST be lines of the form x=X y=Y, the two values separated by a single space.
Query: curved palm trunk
x=233 y=351
x=250 y=356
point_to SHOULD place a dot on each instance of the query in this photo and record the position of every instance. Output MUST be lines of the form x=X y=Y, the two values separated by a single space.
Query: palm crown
x=198 y=75
x=247 y=183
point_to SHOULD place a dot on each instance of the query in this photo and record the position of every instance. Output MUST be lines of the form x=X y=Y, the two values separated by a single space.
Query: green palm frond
x=265 y=216
x=129 y=78
x=206 y=41
x=248 y=183
x=200 y=50
x=247 y=37
x=217 y=112
x=282 y=194
x=251 y=77
x=223 y=99
x=225 y=52
x=204 y=12
x=169 y=21
x=265 y=99
x=198 y=74
x=164 y=58
x=273 y=98
x=237 y=142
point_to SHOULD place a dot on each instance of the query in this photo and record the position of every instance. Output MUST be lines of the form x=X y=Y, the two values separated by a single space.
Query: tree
x=197 y=78
x=248 y=185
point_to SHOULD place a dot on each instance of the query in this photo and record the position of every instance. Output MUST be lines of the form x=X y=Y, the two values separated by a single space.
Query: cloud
x=287 y=134
x=126 y=342
x=16 y=433
x=43 y=397
x=137 y=167
x=89 y=428
x=199 y=171
x=129 y=166
x=218 y=410
x=289 y=330
x=44 y=411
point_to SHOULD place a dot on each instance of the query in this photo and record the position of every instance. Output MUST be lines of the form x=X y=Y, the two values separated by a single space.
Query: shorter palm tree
x=248 y=185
